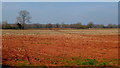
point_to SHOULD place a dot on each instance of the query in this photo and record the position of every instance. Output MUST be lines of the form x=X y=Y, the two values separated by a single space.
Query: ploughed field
x=84 y=47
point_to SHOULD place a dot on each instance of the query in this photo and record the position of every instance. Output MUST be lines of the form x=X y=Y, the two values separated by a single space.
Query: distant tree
x=57 y=25
x=78 y=25
x=99 y=26
x=112 y=26
x=109 y=25
x=90 y=25
x=49 y=25
x=118 y=25
x=19 y=25
x=5 y=25
x=23 y=18
x=83 y=27
x=63 y=25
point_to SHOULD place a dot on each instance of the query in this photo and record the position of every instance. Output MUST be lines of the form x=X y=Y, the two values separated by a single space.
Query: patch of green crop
x=104 y=64
x=42 y=67
x=109 y=61
x=20 y=60
x=64 y=60
x=23 y=63
x=54 y=63
x=87 y=62
x=66 y=65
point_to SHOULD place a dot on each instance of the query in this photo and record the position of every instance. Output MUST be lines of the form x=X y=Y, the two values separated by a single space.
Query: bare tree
x=90 y=25
x=23 y=18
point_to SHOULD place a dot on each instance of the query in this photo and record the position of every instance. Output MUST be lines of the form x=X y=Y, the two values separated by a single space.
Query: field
x=73 y=47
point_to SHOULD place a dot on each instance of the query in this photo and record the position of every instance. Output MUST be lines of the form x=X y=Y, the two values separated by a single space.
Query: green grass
x=74 y=61
x=89 y=62
x=66 y=65
x=20 y=60
x=54 y=63
x=104 y=64
x=42 y=67
x=22 y=63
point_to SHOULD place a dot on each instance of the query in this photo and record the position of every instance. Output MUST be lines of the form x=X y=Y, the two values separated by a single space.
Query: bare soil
x=57 y=49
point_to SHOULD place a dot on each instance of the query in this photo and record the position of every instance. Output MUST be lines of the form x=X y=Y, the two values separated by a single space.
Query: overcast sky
x=67 y=12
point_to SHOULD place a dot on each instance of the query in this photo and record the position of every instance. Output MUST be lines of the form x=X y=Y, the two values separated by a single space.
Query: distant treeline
x=5 y=25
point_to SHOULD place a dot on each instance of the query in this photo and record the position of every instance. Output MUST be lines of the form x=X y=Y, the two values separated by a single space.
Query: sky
x=60 y=0
x=63 y=12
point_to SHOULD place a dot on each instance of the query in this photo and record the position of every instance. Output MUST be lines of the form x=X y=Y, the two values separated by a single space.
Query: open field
x=97 y=47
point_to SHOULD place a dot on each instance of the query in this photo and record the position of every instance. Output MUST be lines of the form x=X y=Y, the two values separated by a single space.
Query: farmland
x=69 y=47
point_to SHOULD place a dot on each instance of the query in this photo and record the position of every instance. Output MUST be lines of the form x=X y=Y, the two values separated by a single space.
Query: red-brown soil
x=49 y=48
